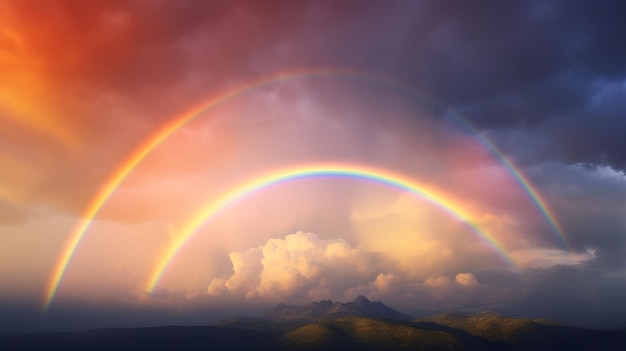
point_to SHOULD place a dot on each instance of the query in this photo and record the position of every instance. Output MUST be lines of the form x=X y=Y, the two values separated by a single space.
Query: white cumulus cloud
x=302 y=267
x=466 y=279
x=301 y=264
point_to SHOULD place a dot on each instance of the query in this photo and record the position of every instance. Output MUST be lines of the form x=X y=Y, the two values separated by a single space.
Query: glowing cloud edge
x=310 y=171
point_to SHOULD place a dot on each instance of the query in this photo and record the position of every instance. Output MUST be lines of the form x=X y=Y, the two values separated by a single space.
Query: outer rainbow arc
x=535 y=195
x=98 y=201
x=137 y=157
x=360 y=172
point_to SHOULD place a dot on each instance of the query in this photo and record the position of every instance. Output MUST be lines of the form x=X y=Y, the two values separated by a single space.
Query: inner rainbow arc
x=445 y=203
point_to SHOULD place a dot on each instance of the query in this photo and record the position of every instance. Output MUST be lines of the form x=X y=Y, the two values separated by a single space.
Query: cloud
x=80 y=95
x=546 y=258
x=302 y=267
x=300 y=264
x=461 y=291
x=466 y=279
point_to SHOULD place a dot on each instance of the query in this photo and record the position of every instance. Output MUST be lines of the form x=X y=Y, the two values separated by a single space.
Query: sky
x=180 y=162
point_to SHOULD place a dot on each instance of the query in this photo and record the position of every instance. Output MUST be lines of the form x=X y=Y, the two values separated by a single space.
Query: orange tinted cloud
x=28 y=101
x=301 y=263
x=84 y=82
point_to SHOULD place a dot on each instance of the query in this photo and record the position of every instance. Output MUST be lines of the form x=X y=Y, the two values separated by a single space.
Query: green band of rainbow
x=445 y=203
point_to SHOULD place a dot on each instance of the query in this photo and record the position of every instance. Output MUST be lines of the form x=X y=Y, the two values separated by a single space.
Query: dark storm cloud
x=593 y=203
x=551 y=68
x=579 y=295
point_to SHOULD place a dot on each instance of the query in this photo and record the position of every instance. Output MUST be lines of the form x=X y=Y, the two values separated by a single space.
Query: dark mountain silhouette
x=327 y=325
x=327 y=309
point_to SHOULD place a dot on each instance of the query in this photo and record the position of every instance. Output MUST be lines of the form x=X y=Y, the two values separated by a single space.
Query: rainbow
x=139 y=154
x=520 y=178
x=445 y=203
x=157 y=138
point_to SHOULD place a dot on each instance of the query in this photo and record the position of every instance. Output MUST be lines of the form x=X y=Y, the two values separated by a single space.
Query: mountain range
x=327 y=309
x=327 y=325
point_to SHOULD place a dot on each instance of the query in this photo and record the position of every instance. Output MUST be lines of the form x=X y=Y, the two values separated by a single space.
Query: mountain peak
x=326 y=309
x=361 y=300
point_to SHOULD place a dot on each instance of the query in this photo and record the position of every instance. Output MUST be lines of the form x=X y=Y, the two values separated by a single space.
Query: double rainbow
x=139 y=154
